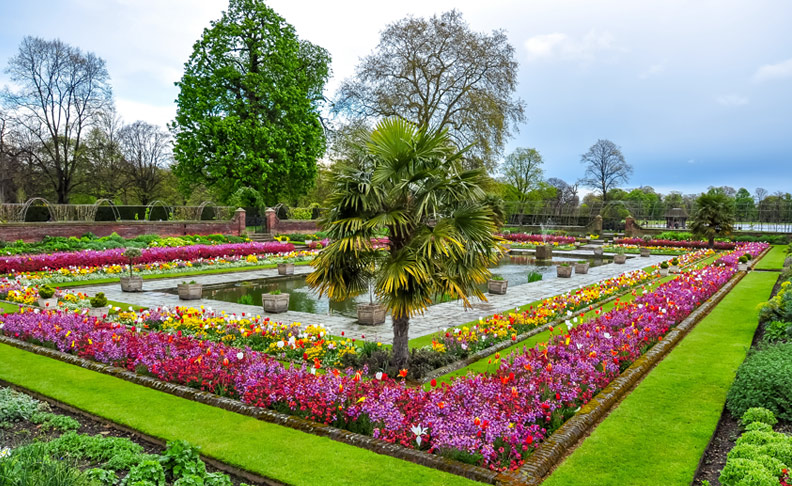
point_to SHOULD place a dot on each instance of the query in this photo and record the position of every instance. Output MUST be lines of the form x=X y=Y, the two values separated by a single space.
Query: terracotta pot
x=371 y=314
x=285 y=268
x=564 y=271
x=132 y=284
x=190 y=291
x=497 y=286
x=275 y=303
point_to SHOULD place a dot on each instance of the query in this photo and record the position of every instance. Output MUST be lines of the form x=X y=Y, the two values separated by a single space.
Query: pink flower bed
x=492 y=419
x=525 y=237
x=719 y=245
x=88 y=258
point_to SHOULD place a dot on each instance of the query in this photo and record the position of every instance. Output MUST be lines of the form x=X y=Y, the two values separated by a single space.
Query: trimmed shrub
x=759 y=414
x=747 y=472
x=764 y=380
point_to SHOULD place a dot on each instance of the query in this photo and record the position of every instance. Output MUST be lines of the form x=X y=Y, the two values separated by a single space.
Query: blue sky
x=696 y=93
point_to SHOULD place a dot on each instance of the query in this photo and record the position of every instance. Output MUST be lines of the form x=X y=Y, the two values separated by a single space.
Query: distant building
x=676 y=218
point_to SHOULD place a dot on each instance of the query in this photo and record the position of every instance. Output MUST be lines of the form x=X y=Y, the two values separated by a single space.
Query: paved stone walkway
x=437 y=317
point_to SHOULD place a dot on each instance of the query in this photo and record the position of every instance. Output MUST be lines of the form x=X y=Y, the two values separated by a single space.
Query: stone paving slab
x=436 y=317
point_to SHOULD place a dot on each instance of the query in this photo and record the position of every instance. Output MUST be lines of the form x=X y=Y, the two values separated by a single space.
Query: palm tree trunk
x=401 y=352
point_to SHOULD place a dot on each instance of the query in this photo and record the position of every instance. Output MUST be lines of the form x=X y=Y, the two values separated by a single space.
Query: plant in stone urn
x=620 y=257
x=98 y=305
x=497 y=285
x=132 y=283
x=582 y=267
x=275 y=301
x=564 y=270
x=47 y=297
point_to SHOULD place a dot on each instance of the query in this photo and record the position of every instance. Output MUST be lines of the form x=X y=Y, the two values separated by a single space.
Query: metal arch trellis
x=29 y=202
x=153 y=204
x=202 y=206
x=116 y=213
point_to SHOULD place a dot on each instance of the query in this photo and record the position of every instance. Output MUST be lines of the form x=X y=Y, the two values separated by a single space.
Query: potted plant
x=99 y=305
x=544 y=252
x=132 y=283
x=598 y=250
x=190 y=291
x=664 y=269
x=620 y=257
x=582 y=267
x=645 y=251
x=47 y=297
x=497 y=285
x=564 y=270
x=286 y=268
x=742 y=263
x=275 y=302
x=373 y=313
x=674 y=265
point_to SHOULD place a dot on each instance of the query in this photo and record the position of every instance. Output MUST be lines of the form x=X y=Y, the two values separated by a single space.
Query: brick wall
x=276 y=225
x=127 y=229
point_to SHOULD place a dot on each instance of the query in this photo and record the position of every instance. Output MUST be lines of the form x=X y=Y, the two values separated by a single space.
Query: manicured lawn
x=658 y=433
x=9 y=308
x=774 y=259
x=271 y=450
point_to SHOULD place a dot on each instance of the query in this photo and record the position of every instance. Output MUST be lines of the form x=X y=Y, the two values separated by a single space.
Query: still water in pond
x=515 y=269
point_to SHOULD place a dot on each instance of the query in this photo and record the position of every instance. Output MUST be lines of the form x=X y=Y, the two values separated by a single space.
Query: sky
x=696 y=93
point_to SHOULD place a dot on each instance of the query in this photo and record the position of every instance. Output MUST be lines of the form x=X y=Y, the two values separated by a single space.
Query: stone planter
x=98 y=311
x=581 y=268
x=663 y=272
x=132 y=284
x=497 y=286
x=544 y=252
x=564 y=271
x=598 y=251
x=275 y=303
x=645 y=252
x=673 y=269
x=620 y=258
x=51 y=303
x=190 y=291
x=371 y=314
x=285 y=268
x=743 y=267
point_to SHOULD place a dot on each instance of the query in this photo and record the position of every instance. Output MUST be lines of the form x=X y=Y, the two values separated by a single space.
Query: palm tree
x=408 y=184
x=713 y=217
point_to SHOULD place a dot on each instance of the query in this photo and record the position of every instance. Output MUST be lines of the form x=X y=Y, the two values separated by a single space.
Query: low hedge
x=764 y=380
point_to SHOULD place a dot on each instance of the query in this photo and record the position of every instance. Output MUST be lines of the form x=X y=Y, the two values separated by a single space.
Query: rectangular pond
x=517 y=269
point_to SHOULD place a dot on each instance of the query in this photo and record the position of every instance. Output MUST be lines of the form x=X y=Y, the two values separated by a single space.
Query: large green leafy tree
x=248 y=111
x=713 y=216
x=409 y=181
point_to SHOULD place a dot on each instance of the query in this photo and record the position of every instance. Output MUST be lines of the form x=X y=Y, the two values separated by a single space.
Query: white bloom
x=281 y=344
x=607 y=335
x=240 y=356
x=5 y=452
x=379 y=375
x=419 y=431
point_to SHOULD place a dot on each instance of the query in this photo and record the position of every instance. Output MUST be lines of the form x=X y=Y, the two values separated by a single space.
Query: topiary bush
x=764 y=380
x=758 y=414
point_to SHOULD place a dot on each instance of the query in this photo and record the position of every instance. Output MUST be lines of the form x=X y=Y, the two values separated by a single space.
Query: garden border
x=217 y=464
x=554 y=449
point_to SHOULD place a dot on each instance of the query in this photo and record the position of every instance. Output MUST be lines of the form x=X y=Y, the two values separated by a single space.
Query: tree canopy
x=605 y=167
x=410 y=184
x=713 y=217
x=438 y=72
x=248 y=106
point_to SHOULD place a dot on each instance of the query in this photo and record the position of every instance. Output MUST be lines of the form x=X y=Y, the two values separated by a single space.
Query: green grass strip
x=8 y=308
x=774 y=259
x=659 y=432
x=271 y=450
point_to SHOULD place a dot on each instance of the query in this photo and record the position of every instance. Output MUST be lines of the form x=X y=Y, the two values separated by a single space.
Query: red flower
x=403 y=373
x=433 y=382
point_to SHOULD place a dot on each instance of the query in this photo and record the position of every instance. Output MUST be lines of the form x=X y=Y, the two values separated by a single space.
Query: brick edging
x=553 y=450
x=358 y=440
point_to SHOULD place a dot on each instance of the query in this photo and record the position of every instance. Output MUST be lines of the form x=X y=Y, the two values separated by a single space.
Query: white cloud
x=132 y=111
x=770 y=72
x=563 y=47
x=651 y=71
x=732 y=100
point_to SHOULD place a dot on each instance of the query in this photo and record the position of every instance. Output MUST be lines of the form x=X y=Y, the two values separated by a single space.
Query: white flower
x=313 y=370
x=419 y=431
x=5 y=452
x=240 y=356
x=281 y=344
x=379 y=375
x=607 y=335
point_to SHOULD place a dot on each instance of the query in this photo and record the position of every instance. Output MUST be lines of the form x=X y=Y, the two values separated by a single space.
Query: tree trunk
x=401 y=352
x=712 y=242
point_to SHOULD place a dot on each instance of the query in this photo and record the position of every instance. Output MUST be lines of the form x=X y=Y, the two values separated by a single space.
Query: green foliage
x=99 y=300
x=664 y=265
x=714 y=216
x=246 y=197
x=32 y=465
x=779 y=308
x=301 y=213
x=52 y=421
x=189 y=480
x=247 y=109
x=45 y=292
x=758 y=414
x=180 y=459
x=441 y=231
x=15 y=406
x=777 y=331
x=246 y=299
x=675 y=236
x=534 y=277
x=217 y=479
x=101 y=477
x=146 y=472
x=764 y=380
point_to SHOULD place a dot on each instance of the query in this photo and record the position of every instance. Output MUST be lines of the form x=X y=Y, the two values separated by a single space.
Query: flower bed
x=91 y=258
x=490 y=420
x=539 y=239
x=628 y=248
x=719 y=245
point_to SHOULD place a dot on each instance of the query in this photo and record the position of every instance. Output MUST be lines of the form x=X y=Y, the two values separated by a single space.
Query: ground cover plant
x=89 y=241
x=471 y=419
x=719 y=245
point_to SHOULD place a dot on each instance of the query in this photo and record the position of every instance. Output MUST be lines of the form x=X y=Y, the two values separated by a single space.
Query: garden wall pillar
x=239 y=221
x=272 y=220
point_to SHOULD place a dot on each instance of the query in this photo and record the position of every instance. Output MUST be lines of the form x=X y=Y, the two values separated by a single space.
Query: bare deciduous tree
x=437 y=72
x=61 y=92
x=147 y=152
x=605 y=167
